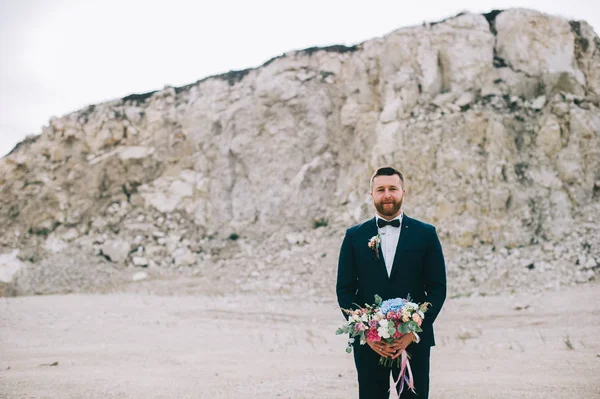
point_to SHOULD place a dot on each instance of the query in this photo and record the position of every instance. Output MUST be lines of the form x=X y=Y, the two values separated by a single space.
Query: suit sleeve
x=347 y=277
x=435 y=278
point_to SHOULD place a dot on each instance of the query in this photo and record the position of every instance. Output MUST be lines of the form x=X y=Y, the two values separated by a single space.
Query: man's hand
x=382 y=348
x=400 y=344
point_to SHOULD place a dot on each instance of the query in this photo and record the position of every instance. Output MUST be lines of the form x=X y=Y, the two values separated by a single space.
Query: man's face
x=387 y=194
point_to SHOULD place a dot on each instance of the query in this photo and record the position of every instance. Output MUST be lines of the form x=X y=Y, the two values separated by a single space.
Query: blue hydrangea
x=391 y=305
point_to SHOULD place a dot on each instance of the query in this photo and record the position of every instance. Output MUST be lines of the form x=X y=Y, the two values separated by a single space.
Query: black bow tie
x=383 y=223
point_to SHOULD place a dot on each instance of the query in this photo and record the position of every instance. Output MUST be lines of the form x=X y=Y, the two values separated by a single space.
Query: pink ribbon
x=402 y=377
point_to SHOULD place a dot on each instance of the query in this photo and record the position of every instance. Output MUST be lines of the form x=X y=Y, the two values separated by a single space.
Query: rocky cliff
x=494 y=120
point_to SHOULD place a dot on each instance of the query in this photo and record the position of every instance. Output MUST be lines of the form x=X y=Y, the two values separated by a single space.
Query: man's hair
x=386 y=171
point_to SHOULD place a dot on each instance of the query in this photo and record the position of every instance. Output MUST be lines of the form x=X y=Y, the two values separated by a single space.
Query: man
x=408 y=261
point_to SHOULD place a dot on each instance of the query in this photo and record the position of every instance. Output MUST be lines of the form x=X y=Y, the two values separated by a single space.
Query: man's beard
x=391 y=210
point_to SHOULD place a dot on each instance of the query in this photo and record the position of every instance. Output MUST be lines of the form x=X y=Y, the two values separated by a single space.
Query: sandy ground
x=132 y=345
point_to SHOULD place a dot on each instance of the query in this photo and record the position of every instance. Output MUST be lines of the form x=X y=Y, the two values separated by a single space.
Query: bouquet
x=386 y=320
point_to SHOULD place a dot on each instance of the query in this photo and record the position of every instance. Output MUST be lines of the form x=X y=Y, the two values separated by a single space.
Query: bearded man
x=407 y=261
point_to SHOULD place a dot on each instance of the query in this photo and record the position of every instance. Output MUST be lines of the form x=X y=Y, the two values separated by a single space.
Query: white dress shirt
x=389 y=241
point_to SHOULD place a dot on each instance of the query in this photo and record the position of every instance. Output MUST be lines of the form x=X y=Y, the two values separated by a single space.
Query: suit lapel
x=373 y=231
x=403 y=241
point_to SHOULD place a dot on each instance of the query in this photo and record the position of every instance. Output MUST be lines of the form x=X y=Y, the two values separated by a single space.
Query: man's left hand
x=400 y=344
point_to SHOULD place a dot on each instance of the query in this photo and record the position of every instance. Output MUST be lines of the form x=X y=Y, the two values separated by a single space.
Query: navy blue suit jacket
x=418 y=269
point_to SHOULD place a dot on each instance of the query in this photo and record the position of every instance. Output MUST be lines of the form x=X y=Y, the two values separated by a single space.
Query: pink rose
x=416 y=318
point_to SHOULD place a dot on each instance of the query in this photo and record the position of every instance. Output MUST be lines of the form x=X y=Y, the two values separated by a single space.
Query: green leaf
x=412 y=325
x=344 y=330
x=403 y=328
x=391 y=329
x=349 y=349
x=378 y=300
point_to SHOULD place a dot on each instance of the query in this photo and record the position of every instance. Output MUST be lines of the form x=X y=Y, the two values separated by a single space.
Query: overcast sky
x=61 y=55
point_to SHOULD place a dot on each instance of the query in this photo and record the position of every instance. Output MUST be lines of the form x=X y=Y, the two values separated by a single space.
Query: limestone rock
x=465 y=99
x=493 y=119
x=55 y=245
x=116 y=250
x=140 y=261
x=539 y=103
x=135 y=152
x=10 y=265
x=139 y=276
x=540 y=45
x=183 y=257
x=549 y=136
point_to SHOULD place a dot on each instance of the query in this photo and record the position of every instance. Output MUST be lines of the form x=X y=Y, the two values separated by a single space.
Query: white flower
x=383 y=323
x=383 y=332
x=365 y=317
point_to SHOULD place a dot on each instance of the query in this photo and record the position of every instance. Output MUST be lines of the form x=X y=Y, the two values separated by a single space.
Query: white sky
x=61 y=55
